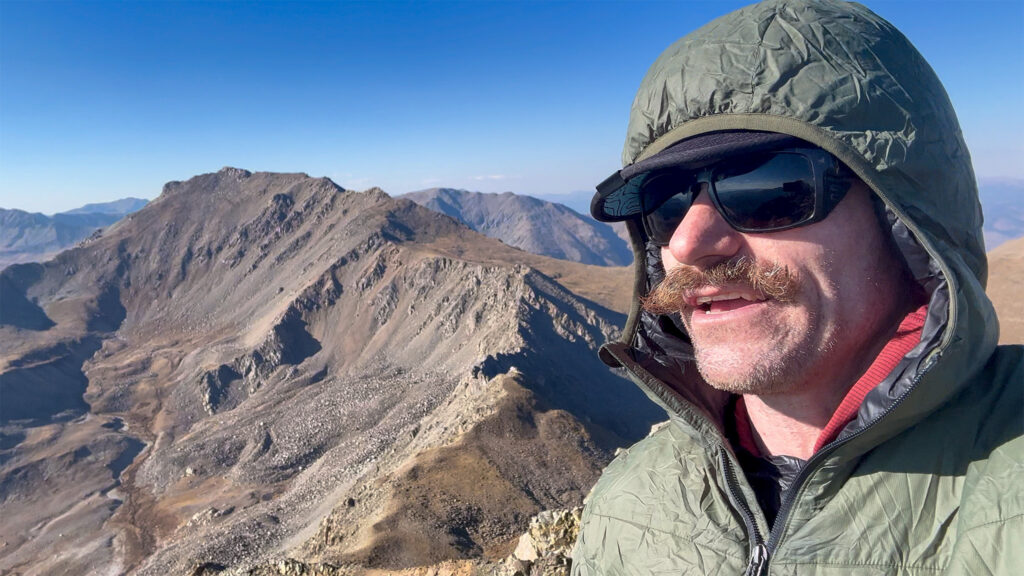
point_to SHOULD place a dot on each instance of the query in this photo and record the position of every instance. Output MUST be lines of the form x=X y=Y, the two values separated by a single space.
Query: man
x=811 y=313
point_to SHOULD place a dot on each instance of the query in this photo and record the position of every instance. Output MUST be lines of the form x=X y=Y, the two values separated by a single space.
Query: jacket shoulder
x=660 y=505
x=991 y=524
x=992 y=490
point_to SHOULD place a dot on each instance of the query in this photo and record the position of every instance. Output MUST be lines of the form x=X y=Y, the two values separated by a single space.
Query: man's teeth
x=703 y=300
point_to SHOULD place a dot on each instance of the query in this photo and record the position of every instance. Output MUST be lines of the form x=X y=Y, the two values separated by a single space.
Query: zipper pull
x=758 y=561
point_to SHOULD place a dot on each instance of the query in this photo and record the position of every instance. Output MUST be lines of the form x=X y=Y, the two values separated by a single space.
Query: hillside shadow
x=48 y=384
x=296 y=341
x=565 y=372
x=110 y=313
x=15 y=308
x=126 y=457
x=569 y=376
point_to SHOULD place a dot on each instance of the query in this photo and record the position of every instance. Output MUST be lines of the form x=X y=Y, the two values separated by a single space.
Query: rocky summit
x=261 y=370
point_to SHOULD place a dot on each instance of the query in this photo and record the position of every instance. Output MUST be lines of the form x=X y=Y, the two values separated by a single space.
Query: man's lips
x=719 y=301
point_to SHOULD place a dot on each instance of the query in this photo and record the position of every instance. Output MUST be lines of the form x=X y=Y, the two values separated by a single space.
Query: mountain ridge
x=122 y=206
x=529 y=223
x=252 y=351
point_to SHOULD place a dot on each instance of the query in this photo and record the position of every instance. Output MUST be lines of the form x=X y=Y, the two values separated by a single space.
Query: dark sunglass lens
x=665 y=198
x=775 y=193
x=662 y=222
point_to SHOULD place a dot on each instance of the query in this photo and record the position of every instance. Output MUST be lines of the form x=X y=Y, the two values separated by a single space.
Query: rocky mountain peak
x=237 y=173
x=263 y=364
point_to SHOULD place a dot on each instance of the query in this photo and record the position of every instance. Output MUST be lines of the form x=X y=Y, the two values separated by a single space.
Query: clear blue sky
x=101 y=100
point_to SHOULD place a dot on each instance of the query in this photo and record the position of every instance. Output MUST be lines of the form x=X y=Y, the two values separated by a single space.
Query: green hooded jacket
x=928 y=477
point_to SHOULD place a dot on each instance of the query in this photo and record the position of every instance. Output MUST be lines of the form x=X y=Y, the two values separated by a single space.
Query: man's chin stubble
x=741 y=375
x=778 y=368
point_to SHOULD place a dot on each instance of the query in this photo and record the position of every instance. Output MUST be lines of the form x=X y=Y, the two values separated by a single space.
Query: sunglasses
x=766 y=192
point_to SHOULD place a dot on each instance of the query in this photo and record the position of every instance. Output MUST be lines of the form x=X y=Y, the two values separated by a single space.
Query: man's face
x=842 y=295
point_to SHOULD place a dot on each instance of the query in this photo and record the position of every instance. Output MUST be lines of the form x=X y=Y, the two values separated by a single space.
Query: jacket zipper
x=758 y=561
x=758 y=550
x=781 y=519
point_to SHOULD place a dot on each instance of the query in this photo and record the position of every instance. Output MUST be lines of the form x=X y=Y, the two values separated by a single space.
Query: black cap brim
x=618 y=196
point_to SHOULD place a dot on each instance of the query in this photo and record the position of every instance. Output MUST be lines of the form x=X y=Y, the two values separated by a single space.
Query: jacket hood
x=840 y=77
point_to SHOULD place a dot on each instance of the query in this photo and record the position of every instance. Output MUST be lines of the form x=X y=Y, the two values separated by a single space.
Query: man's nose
x=703 y=238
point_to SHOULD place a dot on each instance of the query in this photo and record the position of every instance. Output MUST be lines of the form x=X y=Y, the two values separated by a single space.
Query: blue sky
x=101 y=100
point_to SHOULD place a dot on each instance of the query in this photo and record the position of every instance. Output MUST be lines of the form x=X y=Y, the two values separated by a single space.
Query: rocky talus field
x=267 y=374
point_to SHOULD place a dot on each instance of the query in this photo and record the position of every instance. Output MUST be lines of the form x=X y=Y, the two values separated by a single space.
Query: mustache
x=770 y=279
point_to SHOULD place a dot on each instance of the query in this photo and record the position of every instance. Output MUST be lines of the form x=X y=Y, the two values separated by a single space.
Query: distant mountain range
x=578 y=200
x=1002 y=201
x=121 y=207
x=32 y=237
x=531 y=224
x=555 y=225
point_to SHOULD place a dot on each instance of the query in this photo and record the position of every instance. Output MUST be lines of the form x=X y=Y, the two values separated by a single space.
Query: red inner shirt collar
x=907 y=335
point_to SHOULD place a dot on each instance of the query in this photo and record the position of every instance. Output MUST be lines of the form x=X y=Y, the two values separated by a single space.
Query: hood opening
x=658 y=350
